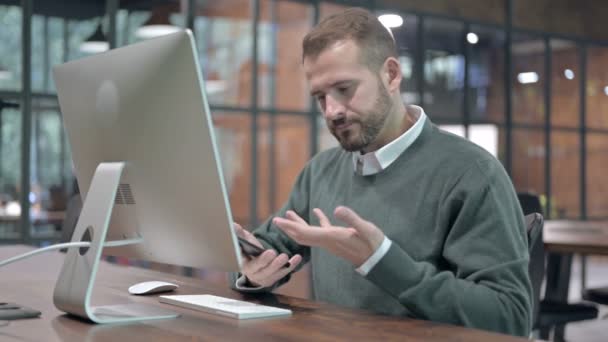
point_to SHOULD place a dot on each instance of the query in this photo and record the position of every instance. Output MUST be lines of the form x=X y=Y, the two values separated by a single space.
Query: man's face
x=352 y=98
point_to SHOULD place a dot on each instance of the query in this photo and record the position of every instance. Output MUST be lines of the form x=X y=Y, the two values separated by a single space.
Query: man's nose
x=333 y=108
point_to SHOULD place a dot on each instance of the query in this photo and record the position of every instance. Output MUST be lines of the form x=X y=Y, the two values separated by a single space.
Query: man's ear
x=392 y=69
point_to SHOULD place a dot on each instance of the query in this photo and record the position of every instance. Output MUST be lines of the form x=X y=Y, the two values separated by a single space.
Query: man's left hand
x=356 y=242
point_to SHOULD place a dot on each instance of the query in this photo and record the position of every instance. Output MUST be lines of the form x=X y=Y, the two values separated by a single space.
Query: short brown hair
x=359 y=25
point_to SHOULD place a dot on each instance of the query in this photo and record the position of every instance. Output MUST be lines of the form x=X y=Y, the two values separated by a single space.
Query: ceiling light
x=96 y=43
x=472 y=38
x=527 y=77
x=157 y=25
x=391 y=20
x=569 y=74
x=13 y=208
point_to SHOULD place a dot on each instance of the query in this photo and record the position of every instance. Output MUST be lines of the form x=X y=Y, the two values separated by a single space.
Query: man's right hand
x=268 y=268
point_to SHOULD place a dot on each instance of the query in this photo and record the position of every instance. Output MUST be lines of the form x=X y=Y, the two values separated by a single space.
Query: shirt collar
x=374 y=162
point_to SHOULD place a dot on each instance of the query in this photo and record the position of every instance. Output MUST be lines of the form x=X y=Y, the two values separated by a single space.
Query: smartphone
x=10 y=311
x=252 y=251
x=249 y=249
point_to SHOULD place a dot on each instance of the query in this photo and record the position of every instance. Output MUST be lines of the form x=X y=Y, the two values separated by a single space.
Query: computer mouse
x=150 y=287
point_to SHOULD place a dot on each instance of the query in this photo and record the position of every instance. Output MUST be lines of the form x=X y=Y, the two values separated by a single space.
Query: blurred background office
x=527 y=80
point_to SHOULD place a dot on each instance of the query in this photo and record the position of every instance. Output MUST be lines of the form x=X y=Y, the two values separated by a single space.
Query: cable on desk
x=116 y=243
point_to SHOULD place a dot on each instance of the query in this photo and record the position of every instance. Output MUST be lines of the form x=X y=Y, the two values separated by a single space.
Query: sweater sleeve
x=485 y=283
x=272 y=237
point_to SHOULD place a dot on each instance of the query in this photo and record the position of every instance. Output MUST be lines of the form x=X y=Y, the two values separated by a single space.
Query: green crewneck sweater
x=459 y=253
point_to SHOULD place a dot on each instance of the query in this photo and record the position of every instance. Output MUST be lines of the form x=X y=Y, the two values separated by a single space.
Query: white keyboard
x=225 y=306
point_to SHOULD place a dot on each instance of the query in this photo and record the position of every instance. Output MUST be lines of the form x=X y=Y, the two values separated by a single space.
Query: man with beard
x=403 y=219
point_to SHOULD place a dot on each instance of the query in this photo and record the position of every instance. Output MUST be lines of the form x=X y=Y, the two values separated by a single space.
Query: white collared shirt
x=374 y=162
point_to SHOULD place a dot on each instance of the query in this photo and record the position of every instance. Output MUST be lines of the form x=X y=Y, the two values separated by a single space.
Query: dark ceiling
x=85 y=9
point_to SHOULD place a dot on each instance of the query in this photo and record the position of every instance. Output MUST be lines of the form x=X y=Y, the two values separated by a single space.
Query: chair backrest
x=536 y=268
x=530 y=203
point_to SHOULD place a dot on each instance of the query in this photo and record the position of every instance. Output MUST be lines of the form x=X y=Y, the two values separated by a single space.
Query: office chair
x=536 y=267
x=549 y=314
x=597 y=295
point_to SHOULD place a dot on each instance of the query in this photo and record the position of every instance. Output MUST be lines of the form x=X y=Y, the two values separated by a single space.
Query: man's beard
x=370 y=124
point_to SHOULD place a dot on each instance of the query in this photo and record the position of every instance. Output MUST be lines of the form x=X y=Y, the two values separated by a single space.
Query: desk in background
x=573 y=236
x=37 y=217
x=562 y=239
x=31 y=283
x=46 y=226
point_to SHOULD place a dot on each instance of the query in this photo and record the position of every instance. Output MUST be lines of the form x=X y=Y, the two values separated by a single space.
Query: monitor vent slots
x=124 y=195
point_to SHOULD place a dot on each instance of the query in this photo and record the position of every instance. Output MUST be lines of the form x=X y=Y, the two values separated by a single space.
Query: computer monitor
x=147 y=165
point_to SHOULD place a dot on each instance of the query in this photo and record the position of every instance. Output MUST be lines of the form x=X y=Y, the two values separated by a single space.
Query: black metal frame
x=583 y=128
x=508 y=162
x=466 y=50
x=547 y=99
x=253 y=195
x=26 y=117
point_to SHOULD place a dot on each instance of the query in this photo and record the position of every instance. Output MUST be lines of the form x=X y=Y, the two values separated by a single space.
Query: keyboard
x=225 y=306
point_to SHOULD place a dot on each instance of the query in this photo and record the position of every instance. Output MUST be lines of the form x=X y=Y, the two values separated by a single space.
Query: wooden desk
x=37 y=217
x=563 y=239
x=570 y=236
x=30 y=282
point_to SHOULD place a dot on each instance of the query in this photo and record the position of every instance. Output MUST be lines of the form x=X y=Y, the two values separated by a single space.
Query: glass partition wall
x=11 y=121
x=550 y=123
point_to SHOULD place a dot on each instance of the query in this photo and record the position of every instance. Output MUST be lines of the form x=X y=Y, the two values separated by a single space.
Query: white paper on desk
x=225 y=306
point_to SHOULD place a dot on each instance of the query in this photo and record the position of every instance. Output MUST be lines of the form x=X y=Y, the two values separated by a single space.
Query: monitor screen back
x=144 y=104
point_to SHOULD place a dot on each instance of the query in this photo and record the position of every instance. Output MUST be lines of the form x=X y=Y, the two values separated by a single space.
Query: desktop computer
x=147 y=164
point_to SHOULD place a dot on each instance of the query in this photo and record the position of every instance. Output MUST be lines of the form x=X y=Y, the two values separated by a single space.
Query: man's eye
x=343 y=90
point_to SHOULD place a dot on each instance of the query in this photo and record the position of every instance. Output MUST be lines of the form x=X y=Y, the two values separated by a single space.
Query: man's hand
x=355 y=243
x=268 y=268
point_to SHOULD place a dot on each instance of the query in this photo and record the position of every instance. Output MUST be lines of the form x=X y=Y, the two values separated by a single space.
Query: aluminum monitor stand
x=75 y=283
